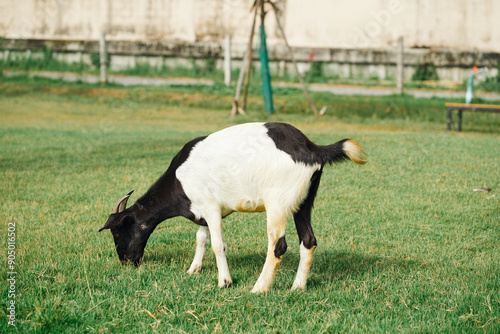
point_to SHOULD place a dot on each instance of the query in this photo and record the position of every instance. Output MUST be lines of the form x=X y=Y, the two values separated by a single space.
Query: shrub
x=316 y=72
x=425 y=72
x=491 y=84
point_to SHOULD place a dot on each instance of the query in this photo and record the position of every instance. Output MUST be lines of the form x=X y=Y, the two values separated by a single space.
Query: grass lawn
x=404 y=243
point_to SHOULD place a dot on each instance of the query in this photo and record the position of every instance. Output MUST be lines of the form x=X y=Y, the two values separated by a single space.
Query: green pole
x=264 y=69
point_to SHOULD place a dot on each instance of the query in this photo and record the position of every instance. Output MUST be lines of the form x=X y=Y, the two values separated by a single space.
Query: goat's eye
x=117 y=235
x=143 y=226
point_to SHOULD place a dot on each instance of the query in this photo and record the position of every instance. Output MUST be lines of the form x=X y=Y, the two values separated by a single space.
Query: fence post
x=227 y=60
x=103 y=58
x=400 y=65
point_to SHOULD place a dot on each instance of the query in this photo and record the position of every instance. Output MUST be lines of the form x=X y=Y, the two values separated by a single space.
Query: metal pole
x=103 y=58
x=459 y=127
x=264 y=67
x=400 y=65
x=227 y=60
x=448 y=120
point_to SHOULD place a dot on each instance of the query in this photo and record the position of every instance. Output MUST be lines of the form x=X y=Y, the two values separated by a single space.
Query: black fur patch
x=303 y=216
x=166 y=198
x=201 y=222
x=293 y=142
x=280 y=247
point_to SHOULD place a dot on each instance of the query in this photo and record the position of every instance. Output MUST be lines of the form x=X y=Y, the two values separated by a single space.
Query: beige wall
x=456 y=24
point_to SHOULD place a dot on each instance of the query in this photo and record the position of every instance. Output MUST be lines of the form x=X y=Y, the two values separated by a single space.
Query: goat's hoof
x=194 y=270
x=225 y=284
x=260 y=289
x=298 y=287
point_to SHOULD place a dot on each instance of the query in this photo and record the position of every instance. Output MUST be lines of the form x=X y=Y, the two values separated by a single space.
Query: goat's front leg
x=202 y=239
x=276 y=224
x=219 y=247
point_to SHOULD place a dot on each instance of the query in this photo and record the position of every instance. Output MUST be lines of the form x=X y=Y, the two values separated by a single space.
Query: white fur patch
x=306 y=257
x=240 y=169
x=202 y=238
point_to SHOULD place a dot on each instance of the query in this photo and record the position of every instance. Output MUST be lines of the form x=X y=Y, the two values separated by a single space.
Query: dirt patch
x=188 y=98
x=105 y=92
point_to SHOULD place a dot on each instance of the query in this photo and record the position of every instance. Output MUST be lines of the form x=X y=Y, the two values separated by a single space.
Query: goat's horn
x=122 y=204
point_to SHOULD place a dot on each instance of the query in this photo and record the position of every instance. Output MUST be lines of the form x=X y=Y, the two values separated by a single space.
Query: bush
x=95 y=58
x=206 y=67
x=491 y=84
x=316 y=72
x=425 y=72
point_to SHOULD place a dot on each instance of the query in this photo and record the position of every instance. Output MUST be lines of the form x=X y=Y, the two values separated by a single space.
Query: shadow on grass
x=345 y=265
x=327 y=266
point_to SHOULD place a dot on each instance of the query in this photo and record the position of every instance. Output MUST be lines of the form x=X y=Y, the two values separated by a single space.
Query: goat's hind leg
x=306 y=236
x=276 y=223
x=202 y=239
x=306 y=257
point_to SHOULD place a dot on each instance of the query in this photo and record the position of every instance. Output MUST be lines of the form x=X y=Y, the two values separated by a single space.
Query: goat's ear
x=115 y=220
x=121 y=205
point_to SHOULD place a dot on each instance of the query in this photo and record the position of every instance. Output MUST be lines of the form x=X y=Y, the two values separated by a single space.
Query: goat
x=251 y=167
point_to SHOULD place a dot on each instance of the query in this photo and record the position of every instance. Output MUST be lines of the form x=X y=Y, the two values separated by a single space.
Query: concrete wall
x=455 y=24
x=451 y=65
x=355 y=38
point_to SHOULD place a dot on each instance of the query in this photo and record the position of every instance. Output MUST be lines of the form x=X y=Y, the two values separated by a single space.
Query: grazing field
x=404 y=243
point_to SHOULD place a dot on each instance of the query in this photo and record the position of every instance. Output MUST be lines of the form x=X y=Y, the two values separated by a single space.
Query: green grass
x=404 y=244
x=44 y=60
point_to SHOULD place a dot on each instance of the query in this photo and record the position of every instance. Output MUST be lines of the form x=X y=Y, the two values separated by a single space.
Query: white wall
x=456 y=24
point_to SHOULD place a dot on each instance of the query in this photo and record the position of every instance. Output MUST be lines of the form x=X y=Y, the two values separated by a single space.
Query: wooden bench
x=467 y=107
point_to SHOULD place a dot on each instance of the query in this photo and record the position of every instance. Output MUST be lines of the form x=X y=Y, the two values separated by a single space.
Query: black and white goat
x=250 y=167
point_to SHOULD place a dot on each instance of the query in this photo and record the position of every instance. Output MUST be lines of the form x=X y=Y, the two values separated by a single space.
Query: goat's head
x=129 y=234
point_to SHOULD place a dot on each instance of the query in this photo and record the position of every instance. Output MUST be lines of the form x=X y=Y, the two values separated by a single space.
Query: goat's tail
x=343 y=150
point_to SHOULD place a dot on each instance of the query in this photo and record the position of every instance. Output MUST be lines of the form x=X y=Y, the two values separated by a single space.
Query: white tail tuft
x=355 y=152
